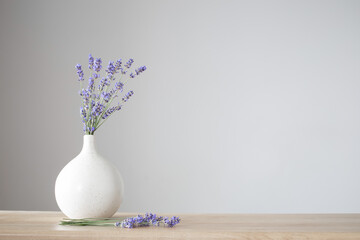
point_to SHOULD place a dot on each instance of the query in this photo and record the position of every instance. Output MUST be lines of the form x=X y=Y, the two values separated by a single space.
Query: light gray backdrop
x=246 y=106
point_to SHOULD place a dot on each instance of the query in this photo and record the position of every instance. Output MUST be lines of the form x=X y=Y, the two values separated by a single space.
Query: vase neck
x=89 y=144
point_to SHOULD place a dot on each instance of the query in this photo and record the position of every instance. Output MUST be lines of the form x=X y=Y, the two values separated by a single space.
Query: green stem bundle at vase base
x=92 y=221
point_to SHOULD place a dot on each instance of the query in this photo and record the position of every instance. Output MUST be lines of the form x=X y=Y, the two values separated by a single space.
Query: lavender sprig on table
x=148 y=219
x=97 y=98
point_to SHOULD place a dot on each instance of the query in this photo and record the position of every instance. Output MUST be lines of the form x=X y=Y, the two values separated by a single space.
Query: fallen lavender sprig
x=147 y=220
x=97 y=97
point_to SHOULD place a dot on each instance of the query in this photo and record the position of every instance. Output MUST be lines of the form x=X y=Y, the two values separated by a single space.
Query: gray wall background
x=246 y=106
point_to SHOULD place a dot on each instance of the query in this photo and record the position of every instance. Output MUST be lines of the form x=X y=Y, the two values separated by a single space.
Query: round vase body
x=89 y=186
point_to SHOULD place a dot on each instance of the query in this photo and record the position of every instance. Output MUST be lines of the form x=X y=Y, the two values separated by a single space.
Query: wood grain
x=44 y=225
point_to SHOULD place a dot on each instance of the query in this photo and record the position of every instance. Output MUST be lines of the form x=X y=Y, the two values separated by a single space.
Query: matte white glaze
x=89 y=186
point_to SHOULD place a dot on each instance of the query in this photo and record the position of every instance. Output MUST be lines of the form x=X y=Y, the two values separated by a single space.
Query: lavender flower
x=149 y=218
x=97 y=109
x=97 y=66
x=139 y=219
x=113 y=91
x=119 y=86
x=118 y=64
x=92 y=104
x=91 y=62
x=86 y=96
x=128 y=64
x=140 y=70
x=128 y=223
x=153 y=219
x=127 y=96
x=172 y=222
x=95 y=96
x=96 y=75
x=111 y=111
x=111 y=70
x=103 y=82
x=80 y=72
x=90 y=129
x=106 y=96
x=91 y=83
x=83 y=113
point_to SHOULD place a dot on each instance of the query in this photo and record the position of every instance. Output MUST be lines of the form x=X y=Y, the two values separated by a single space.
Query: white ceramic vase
x=89 y=186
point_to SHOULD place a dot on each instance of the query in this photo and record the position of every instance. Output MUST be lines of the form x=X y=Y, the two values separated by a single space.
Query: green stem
x=91 y=221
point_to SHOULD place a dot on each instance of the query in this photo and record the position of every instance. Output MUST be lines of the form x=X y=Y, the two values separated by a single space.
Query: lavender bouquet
x=97 y=98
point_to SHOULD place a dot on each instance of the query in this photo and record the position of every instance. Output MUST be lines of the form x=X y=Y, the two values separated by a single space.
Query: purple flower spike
x=149 y=216
x=128 y=64
x=127 y=96
x=139 y=219
x=97 y=109
x=85 y=94
x=118 y=64
x=111 y=111
x=128 y=223
x=172 y=222
x=140 y=70
x=106 y=96
x=119 y=86
x=82 y=112
x=97 y=66
x=91 y=83
x=96 y=75
x=91 y=62
x=80 y=72
x=111 y=70
x=103 y=82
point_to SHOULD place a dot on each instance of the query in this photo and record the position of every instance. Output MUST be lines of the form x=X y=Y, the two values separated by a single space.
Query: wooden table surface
x=44 y=225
